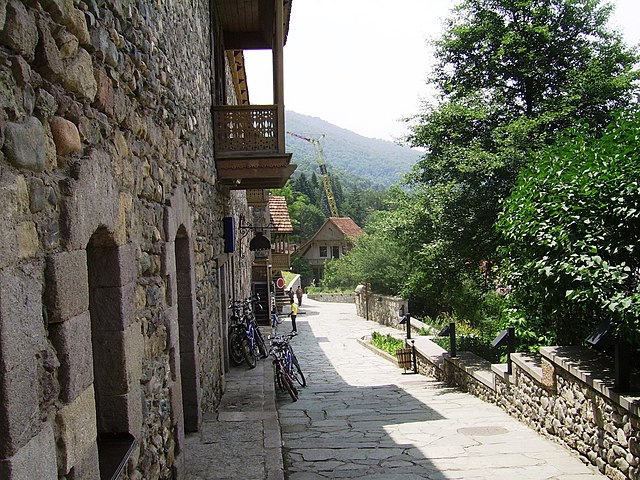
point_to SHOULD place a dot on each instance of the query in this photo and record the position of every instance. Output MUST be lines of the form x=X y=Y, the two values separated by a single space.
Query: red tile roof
x=279 y=213
x=347 y=226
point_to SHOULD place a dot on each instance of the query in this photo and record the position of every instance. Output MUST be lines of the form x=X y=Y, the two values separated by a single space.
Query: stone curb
x=364 y=341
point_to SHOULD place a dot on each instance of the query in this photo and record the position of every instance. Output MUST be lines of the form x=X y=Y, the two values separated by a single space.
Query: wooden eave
x=254 y=170
x=238 y=75
x=249 y=24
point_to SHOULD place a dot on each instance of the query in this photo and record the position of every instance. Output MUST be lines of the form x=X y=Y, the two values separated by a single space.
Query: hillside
x=358 y=160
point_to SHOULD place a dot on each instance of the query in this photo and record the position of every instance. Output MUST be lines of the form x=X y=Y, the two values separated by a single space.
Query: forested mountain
x=359 y=161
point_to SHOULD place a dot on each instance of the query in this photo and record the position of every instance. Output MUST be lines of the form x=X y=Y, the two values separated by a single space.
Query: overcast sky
x=362 y=64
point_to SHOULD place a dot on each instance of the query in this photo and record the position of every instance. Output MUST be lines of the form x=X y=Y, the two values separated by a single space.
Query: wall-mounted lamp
x=259 y=242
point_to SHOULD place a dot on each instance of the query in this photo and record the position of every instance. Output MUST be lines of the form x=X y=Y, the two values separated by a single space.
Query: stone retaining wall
x=332 y=297
x=562 y=402
x=562 y=392
x=380 y=308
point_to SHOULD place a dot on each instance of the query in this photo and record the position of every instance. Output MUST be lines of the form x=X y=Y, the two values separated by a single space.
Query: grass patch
x=288 y=277
x=386 y=343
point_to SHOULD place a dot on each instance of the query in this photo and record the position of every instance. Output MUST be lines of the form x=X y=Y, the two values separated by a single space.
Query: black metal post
x=366 y=307
x=511 y=346
x=623 y=366
x=452 y=339
x=413 y=353
x=408 y=318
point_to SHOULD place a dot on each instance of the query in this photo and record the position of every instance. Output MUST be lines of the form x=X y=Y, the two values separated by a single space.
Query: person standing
x=293 y=315
x=299 y=293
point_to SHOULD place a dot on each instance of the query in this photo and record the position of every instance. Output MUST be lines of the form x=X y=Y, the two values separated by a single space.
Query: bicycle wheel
x=297 y=372
x=247 y=352
x=235 y=349
x=276 y=376
x=288 y=386
x=262 y=346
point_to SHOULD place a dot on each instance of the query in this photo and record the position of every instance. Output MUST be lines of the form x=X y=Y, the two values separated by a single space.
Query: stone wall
x=380 y=308
x=111 y=262
x=562 y=393
x=332 y=297
x=565 y=393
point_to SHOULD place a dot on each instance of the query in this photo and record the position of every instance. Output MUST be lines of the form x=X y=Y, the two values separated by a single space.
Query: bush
x=469 y=338
x=571 y=228
x=386 y=343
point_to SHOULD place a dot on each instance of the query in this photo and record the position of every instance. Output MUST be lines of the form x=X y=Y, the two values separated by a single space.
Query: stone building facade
x=113 y=271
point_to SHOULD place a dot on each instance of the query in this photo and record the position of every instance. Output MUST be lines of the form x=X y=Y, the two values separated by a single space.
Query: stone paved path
x=360 y=417
x=241 y=440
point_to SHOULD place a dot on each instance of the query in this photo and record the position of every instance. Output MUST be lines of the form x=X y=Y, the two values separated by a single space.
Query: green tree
x=373 y=259
x=511 y=75
x=302 y=185
x=572 y=230
x=302 y=267
x=306 y=218
x=551 y=57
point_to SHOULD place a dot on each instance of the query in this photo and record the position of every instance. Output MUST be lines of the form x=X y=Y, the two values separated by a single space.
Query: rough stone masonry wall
x=547 y=396
x=105 y=143
x=332 y=297
x=600 y=431
x=380 y=308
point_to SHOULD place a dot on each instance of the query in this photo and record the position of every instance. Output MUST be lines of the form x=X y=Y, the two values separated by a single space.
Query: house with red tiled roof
x=335 y=238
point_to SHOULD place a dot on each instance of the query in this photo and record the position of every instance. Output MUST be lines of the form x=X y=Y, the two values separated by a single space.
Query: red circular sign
x=280 y=283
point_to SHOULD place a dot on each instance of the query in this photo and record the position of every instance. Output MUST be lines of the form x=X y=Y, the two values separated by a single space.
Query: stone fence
x=332 y=297
x=379 y=308
x=565 y=393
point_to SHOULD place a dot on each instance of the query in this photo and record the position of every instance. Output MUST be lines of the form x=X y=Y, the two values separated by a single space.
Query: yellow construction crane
x=326 y=181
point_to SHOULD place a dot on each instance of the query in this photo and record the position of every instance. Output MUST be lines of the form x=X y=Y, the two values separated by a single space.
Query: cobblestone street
x=361 y=417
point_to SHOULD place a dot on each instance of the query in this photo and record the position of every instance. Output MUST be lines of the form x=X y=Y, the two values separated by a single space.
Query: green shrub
x=386 y=342
x=477 y=344
x=469 y=338
x=322 y=289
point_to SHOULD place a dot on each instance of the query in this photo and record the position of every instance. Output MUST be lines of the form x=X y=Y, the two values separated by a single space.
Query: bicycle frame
x=250 y=333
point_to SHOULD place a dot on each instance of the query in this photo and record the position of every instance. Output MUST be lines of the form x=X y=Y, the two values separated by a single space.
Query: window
x=335 y=252
x=323 y=251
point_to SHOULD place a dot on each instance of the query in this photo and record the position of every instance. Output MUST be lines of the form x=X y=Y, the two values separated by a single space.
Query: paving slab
x=241 y=440
x=361 y=417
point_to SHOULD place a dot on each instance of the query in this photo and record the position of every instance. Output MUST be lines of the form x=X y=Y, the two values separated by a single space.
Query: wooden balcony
x=280 y=261
x=257 y=197
x=249 y=147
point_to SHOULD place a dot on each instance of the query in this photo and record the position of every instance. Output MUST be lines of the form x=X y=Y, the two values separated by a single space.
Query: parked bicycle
x=246 y=342
x=286 y=368
x=236 y=333
x=253 y=344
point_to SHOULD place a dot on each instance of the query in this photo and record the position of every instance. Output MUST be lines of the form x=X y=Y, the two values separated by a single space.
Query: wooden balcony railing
x=249 y=147
x=246 y=128
x=280 y=261
x=257 y=197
